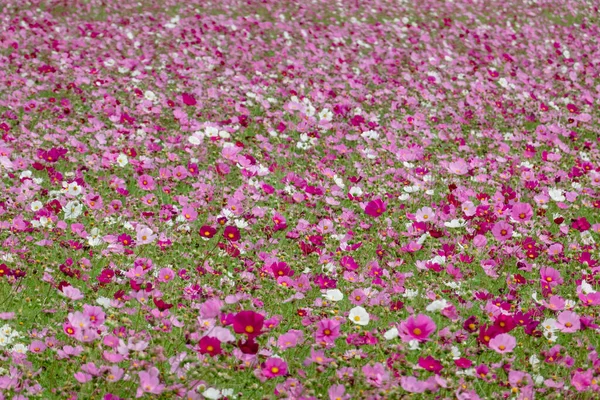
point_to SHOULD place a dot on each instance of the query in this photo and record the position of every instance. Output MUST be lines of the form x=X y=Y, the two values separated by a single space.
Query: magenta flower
x=274 y=367
x=430 y=364
x=375 y=208
x=568 y=322
x=502 y=231
x=188 y=99
x=521 y=212
x=417 y=328
x=503 y=343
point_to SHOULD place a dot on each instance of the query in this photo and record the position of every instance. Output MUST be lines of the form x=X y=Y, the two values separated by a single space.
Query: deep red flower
x=471 y=324
x=281 y=269
x=161 y=304
x=487 y=333
x=248 y=323
x=209 y=345
x=232 y=233
x=207 y=231
x=249 y=346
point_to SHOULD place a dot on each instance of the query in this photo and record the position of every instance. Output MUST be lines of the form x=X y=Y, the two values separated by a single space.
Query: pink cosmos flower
x=551 y=276
x=149 y=382
x=144 y=235
x=376 y=374
x=94 y=314
x=211 y=308
x=458 y=167
x=357 y=297
x=375 y=208
x=317 y=356
x=327 y=331
x=189 y=213
x=166 y=275
x=274 y=367
x=521 y=212
x=502 y=231
x=582 y=380
x=417 y=328
x=424 y=214
x=37 y=346
x=503 y=343
x=568 y=322
x=72 y=293
x=337 y=392
x=146 y=182
x=413 y=385
x=290 y=339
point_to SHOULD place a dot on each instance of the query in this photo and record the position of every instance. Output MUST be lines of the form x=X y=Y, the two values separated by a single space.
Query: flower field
x=324 y=199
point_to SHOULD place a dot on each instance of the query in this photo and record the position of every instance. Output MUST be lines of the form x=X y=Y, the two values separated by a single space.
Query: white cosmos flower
x=549 y=326
x=370 y=135
x=455 y=223
x=410 y=293
x=556 y=194
x=72 y=189
x=103 y=301
x=211 y=131
x=325 y=115
x=455 y=352
x=356 y=191
x=95 y=239
x=19 y=348
x=240 y=223
x=333 y=295
x=437 y=305
x=359 y=316
x=73 y=209
x=149 y=95
x=36 y=206
x=122 y=160
x=413 y=344
x=212 y=394
x=391 y=334
x=586 y=288
x=534 y=360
